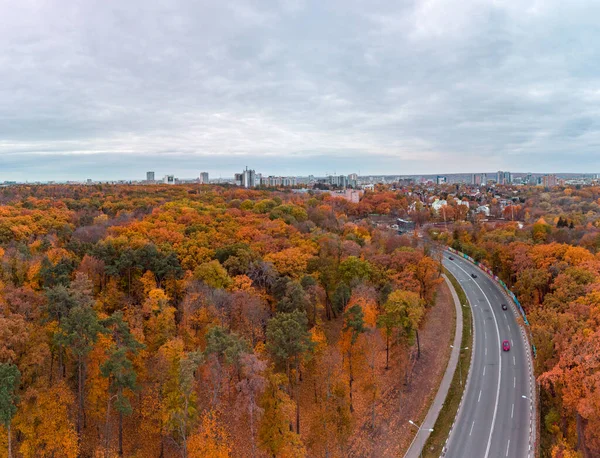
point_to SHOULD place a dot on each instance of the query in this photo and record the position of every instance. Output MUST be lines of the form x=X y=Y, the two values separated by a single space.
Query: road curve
x=494 y=418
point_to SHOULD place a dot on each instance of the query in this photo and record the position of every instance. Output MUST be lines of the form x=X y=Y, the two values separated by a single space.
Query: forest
x=168 y=321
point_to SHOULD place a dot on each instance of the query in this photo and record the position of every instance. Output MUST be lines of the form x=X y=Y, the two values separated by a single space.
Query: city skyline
x=99 y=91
x=109 y=167
x=259 y=177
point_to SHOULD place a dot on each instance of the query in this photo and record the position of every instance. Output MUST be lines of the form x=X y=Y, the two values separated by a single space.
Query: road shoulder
x=440 y=397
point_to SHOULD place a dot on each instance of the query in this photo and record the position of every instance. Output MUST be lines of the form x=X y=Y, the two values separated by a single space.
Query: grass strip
x=437 y=439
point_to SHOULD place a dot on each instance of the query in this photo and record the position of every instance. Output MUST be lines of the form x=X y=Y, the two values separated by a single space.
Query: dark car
x=505 y=345
x=504 y=307
x=473 y=276
x=451 y=258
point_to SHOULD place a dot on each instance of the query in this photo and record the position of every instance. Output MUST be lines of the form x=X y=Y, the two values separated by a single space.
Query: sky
x=107 y=89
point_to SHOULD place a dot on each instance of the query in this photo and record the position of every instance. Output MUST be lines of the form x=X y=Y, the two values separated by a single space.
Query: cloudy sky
x=110 y=89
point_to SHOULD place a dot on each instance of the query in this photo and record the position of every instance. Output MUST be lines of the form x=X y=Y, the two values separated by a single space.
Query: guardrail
x=495 y=278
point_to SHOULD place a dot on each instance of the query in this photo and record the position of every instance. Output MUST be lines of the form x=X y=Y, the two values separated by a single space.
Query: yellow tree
x=427 y=273
x=211 y=440
x=44 y=423
x=160 y=326
x=275 y=436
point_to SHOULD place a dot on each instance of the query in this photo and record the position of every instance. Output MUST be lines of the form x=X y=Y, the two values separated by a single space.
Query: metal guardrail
x=496 y=279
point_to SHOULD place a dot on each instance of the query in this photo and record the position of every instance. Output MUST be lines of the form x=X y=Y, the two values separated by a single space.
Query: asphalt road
x=494 y=417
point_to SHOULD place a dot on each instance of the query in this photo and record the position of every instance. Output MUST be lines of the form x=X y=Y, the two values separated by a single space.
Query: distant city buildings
x=341 y=181
x=248 y=178
x=479 y=179
x=549 y=181
x=528 y=179
x=275 y=181
x=503 y=177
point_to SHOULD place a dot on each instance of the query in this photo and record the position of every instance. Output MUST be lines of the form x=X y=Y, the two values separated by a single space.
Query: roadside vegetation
x=435 y=444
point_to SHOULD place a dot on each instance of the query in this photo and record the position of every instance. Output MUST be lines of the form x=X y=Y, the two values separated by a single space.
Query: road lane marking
x=512 y=411
x=472 y=424
x=512 y=344
x=479 y=398
x=485 y=351
x=514 y=382
x=483 y=370
x=507 y=447
x=487 y=450
x=514 y=361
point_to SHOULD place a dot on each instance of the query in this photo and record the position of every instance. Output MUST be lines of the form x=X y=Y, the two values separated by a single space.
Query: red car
x=505 y=345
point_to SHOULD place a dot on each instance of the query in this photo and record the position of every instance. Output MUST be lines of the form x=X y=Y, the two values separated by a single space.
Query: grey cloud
x=297 y=86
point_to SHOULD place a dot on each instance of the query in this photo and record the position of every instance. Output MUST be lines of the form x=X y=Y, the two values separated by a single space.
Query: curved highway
x=495 y=416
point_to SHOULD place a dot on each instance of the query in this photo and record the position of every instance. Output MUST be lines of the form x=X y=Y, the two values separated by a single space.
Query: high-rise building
x=503 y=177
x=169 y=179
x=549 y=181
x=248 y=178
x=338 y=180
x=149 y=176
x=204 y=178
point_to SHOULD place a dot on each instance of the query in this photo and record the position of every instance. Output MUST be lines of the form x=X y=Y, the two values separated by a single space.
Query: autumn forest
x=195 y=321
x=172 y=321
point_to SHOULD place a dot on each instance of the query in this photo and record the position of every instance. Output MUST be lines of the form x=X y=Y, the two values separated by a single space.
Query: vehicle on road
x=504 y=307
x=451 y=258
x=505 y=345
x=473 y=275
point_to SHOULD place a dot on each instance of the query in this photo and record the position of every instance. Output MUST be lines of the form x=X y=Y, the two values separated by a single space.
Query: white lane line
x=479 y=398
x=514 y=382
x=487 y=450
x=472 y=424
x=483 y=370
x=512 y=411
x=485 y=351
x=507 y=447
x=514 y=361
x=512 y=344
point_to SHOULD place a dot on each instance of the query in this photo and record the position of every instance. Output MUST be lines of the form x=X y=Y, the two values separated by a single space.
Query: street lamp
x=460 y=362
x=418 y=431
